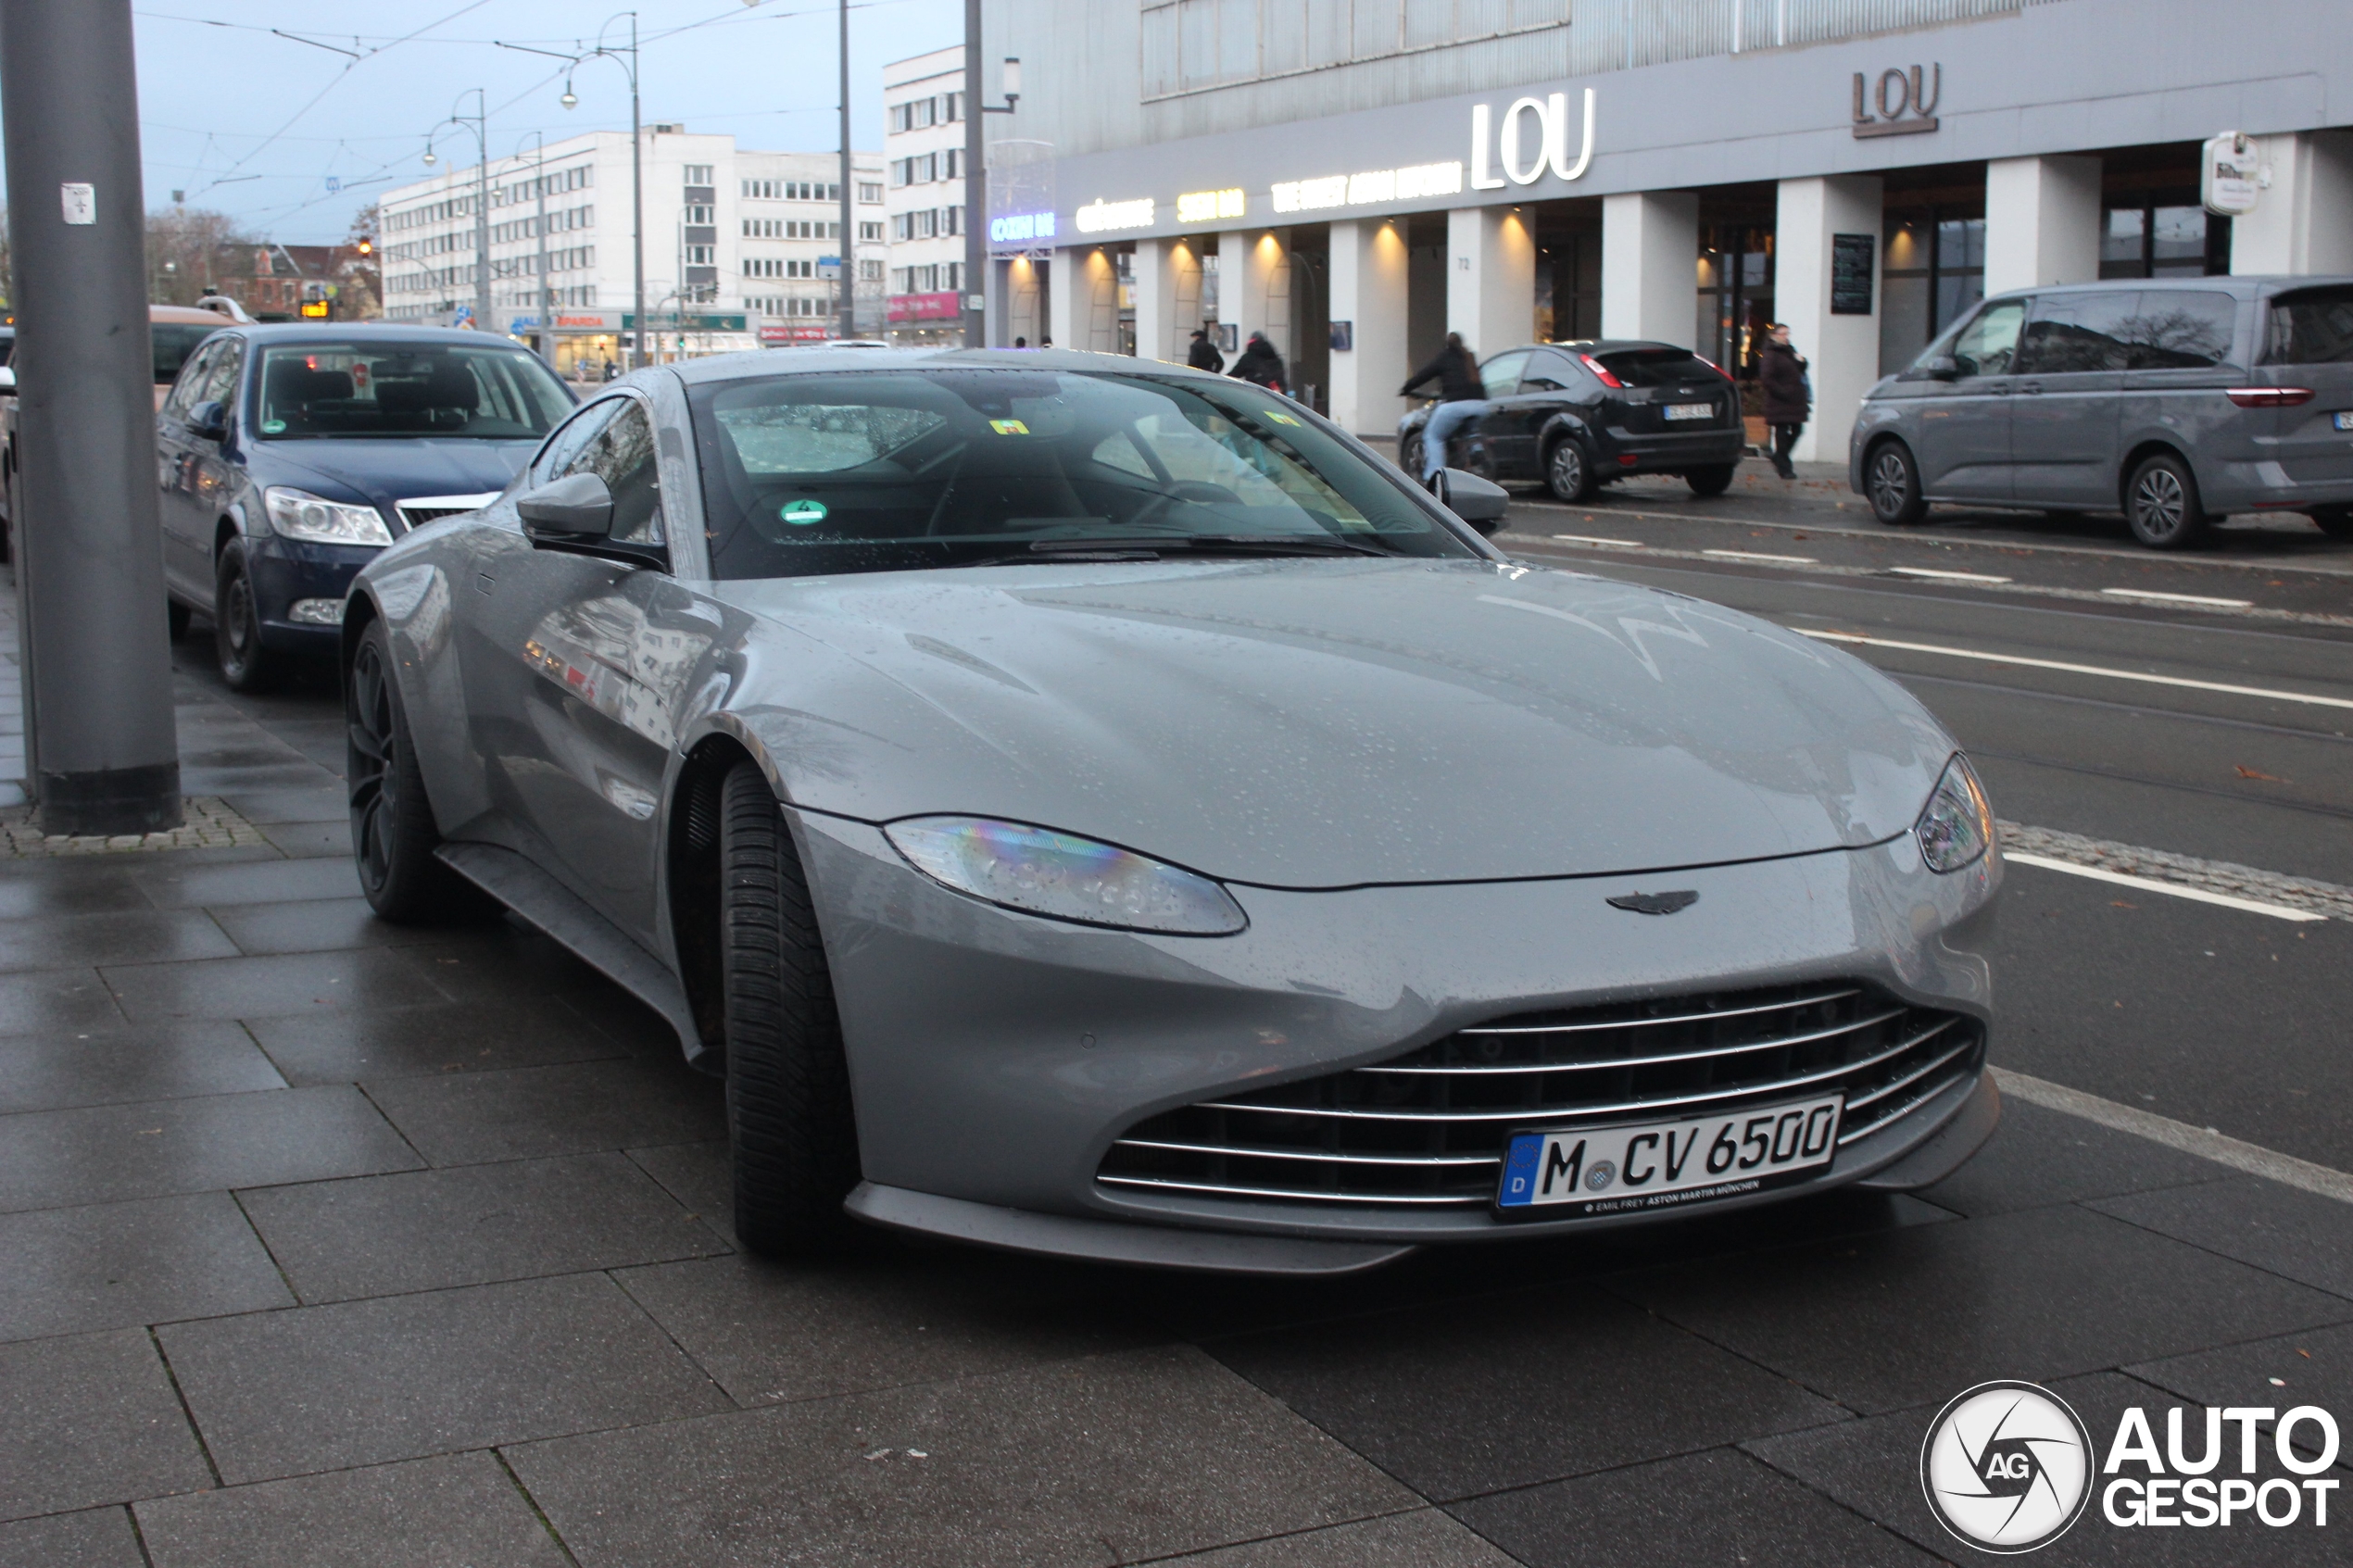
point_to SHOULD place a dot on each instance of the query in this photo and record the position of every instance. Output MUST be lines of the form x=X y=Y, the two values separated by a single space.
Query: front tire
x=1409 y=455
x=1892 y=485
x=176 y=619
x=791 y=1132
x=245 y=665
x=1710 y=481
x=2334 y=522
x=2161 y=503
x=393 y=834
x=1568 y=471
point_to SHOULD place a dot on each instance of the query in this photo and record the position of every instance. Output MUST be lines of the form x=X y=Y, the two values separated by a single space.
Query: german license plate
x=1691 y=410
x=1649 y=1165
x=2342 y=421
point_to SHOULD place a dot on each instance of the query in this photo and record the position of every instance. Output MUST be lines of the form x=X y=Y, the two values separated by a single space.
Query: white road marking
x=2149 y=885
x=2203 y=1142
x=2020 y=659
x=1607 y=544
x=1931 y=571
x=2174 y=598
x=1759 y=556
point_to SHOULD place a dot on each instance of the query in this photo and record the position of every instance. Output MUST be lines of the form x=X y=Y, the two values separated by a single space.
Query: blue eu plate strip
x=1519 y=1170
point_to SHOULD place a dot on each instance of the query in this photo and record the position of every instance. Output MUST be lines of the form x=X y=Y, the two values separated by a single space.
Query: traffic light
x=365 y=246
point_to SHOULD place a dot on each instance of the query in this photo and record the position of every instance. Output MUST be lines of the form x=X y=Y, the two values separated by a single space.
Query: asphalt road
x=2217 y=724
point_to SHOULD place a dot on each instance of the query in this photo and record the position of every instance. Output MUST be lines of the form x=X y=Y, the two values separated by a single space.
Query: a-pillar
x=1650 y=266
x=1841 y=351
x=1369 y=279
x=1254 y=285
x=2303 y=221
x=1491 y=278
x=2042 y=222
x=1167 y=284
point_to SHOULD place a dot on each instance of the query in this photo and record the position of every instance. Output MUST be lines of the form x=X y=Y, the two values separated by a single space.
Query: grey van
x=2178 y=400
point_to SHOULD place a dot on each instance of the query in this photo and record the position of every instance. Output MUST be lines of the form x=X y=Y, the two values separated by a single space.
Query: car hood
x=1318 y=724
x=389 y=470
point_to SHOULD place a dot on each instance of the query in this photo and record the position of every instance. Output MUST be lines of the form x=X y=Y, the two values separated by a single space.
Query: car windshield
x=172 y=342
x=394 y=389
x=901 y=469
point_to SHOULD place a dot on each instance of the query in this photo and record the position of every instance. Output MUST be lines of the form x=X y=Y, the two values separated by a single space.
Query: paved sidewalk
x=327 y=1242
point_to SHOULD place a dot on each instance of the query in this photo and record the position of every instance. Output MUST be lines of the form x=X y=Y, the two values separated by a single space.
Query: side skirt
x=568 y=919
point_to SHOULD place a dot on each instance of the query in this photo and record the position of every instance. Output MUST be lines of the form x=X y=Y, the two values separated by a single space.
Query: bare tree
x=192 y=251
x=359 y=269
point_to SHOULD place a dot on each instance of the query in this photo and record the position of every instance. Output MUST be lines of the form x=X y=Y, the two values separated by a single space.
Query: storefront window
x=1935 y=272
x=1735 y=294
x=2162 y=235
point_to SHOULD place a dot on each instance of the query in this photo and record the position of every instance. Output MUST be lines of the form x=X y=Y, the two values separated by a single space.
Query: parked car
x=289 y=455
x=2177 y=400
x=1579 y=415
x=1098 y=807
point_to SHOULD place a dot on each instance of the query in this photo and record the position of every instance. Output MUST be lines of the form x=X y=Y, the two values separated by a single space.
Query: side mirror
x=1942 y=368
x=577 y=506
x=209 y=420
x=1479 y=502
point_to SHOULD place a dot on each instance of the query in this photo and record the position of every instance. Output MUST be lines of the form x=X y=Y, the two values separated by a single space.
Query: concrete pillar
x=1650 y=266
x=2042 y=222
x=2303 y=223
x=1841 y=350
x=1167 y=280
x=1368 y=284
x=1083 y=303
x=1066 y=286
x=1491 y=278
x=1022 y=315
x=1254 y=286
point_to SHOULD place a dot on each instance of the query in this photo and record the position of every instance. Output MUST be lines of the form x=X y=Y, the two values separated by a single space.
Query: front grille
x=1428 y=1129
x=418 y=511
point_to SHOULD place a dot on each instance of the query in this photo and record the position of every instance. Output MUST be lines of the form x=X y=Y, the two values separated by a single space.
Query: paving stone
x=117 y=1265
x=54 y=1000
x=385 y=1043
x=320 y=1389
x=105 y=1067
x=696 y=1174
x=501 y=960
x=50 y=941
x=48 y=889
x=264 y=883
x=2300 y=1235
x=269 y=987
x=268 y=808
x=2314 y=1367
x=1120 y=1457
x=313 y=925
x=1716 y=1507
x=1424 y=1538
x=1873 y=1467
x=98 y=1537
x=886 y=1315
x=456 y=1508
x=311 y=838
x=2039 y=1157
x=101 y=1154
x=467 y=1118
x=1502 y=1390
x=1904 y=1316
x=90 y=1420
x=293 y=773
x=425 y=1230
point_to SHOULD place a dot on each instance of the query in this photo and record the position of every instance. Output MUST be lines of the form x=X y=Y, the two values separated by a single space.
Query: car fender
x=1568 y=422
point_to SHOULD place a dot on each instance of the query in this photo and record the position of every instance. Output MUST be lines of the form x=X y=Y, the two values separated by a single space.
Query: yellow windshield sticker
x=1281 y=419
x=1009 y=427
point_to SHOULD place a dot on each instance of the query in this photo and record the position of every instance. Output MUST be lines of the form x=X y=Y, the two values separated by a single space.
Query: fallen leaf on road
x=2121 y=904
x=2247 y=772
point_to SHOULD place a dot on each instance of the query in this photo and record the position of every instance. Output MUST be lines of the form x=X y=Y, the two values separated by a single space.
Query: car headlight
x=1958 y=827
x=298 y=514
x=1058 y=874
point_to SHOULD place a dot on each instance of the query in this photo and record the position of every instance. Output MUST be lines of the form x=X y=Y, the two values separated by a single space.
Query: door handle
x=2034 y=388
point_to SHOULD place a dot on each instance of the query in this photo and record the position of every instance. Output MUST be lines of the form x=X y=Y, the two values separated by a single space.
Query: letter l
x=1480 y=136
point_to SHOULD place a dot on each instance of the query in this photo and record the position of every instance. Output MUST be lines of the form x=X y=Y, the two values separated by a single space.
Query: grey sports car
x=1096 y=807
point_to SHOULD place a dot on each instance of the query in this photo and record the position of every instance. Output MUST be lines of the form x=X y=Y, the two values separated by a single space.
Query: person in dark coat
x=1260 y=365
x=1203 y=354
x=1788 y=402
x=1462 y=397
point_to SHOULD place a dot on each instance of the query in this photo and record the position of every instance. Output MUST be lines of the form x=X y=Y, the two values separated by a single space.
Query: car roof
x=2240 y=285
x=761 y=363
x=1608 y=346
x=367 y=332
x=187 y=314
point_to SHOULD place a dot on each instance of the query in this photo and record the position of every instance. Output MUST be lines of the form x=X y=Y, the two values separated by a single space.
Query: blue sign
x=464 y=317
x=1021 y=228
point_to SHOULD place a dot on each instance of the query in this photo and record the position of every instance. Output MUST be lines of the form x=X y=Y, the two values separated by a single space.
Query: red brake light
x=2270 y=397
x=1600 y=369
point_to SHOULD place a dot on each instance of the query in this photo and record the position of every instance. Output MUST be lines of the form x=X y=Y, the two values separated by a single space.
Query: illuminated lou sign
x=1551 y=132
x=1020 y=228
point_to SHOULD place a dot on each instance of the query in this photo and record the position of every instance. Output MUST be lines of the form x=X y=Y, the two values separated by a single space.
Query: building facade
x=1356 y=177
x=740 y=246
x=924 y=149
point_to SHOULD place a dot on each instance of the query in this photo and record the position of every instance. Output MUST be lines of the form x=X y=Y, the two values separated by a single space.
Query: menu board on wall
x=1851 y=257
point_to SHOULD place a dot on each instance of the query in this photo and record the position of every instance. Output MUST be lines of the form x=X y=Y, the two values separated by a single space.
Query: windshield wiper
x=1155 y=546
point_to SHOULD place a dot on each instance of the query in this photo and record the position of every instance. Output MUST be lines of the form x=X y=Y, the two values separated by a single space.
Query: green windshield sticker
x=271 y=427
x=1009 y=427
x=1281 y=419
x=800 y=514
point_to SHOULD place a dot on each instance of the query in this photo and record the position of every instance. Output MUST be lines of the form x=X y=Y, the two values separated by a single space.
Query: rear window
x=407 y=390
x=1656 y=367
x=2311 y=327
x=174 y=342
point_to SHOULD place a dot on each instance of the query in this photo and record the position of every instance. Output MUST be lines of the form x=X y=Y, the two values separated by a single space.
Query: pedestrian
x=1789 y=396
x=1021 y=339
x=1045 y=343
x=611 y=370
x=1203 y=354
x=1259 y=364
x=1462 y=397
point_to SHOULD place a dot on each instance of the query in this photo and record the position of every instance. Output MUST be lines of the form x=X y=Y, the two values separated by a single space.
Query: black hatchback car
x=289 y=455
x=1578 y=415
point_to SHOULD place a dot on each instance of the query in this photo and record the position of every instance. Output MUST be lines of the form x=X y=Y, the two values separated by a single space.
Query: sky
x=257 y=125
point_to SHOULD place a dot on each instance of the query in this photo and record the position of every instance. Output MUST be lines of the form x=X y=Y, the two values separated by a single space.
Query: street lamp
x=480 y=126
x=615 y=52
x=977 y=264
x=547 y=296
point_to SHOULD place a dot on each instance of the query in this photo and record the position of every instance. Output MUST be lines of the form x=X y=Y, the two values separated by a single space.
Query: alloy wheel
x=1891 y=483
x=374 y=780
x=2159 y=503
x=1566 y=473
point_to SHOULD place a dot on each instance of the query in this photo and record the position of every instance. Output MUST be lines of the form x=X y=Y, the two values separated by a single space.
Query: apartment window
x=870 y=230
x=951 y=163
x=952 y=107
x=696 y=212
x=701 y=256
x=954 y=217
x=870 y=193
x=870 y=271
x=698 y=174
